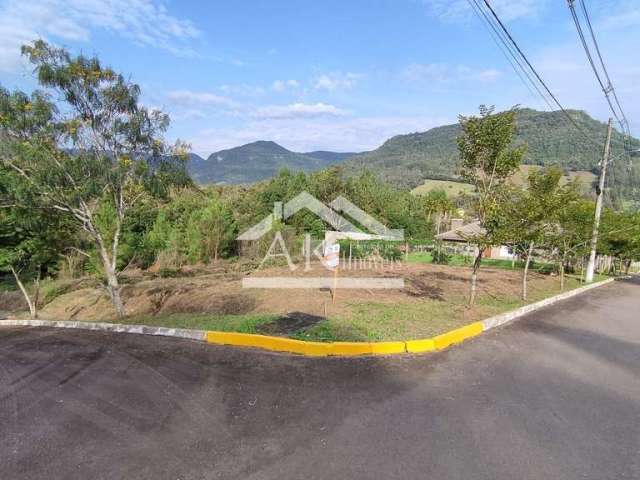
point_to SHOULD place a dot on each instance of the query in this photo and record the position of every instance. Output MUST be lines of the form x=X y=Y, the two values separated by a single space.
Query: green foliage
x=488 y=160
x=210 y=232
x=257 y=161
x=440 y=257
x=93 y=158
x=407 y=160
x=533 y=215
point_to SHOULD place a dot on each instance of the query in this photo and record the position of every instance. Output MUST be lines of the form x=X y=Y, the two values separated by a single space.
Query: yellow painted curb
x=276 y=344
x=420 y=346
x=348 y=349
x=458 y=335
x=388 y=348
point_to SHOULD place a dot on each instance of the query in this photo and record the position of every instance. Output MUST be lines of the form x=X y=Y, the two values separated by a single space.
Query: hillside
x=407 y=160
x=453 y=189
x=257 y=161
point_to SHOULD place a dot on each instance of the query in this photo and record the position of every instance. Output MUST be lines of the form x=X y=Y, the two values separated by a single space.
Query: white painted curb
x=503 y=318
x=110 y=327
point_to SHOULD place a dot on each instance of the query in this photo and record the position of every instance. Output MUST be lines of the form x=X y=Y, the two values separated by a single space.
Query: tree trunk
x=474 y=277
x=563 y=262
x=113 y=286
x=627 y=267
x=526 y=271
x=33 y=304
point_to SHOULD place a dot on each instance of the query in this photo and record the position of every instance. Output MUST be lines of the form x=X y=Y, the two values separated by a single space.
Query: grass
x=452 y=189
x=374 y=321
x=420 y=319
x=462 y=261
x=247 y=323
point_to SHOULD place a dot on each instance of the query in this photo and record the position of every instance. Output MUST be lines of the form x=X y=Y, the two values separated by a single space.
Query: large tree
x=488 y=159
x=90 y=155
x=534 y=214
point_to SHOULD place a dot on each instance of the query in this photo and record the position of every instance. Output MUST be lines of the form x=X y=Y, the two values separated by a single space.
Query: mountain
x=407 y=160
x=257 y=161
x=334 y=157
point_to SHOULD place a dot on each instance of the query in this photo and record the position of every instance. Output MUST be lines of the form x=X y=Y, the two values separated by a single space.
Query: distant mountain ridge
x=407 y=160
x=257 y=161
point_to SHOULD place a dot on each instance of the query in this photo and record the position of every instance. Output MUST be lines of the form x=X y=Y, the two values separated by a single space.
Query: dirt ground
x=220 y=291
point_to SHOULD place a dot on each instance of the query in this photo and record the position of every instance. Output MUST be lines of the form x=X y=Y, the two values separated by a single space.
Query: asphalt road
x=554 y=396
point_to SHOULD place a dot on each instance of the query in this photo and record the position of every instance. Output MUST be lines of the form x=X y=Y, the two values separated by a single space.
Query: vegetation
x=257 y=161
x=89 y=188
x=532 y=215
x=407 y=160
x=117 y=155
x=487 y=162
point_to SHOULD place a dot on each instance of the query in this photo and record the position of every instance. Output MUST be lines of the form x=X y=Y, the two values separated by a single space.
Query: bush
x=440 y=257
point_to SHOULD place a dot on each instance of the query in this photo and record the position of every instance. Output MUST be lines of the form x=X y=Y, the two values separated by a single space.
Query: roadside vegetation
x=99 y=220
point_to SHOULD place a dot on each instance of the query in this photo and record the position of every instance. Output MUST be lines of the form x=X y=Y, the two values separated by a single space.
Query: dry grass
x=433 y=301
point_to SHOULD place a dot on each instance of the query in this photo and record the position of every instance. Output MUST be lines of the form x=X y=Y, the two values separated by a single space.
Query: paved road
x=555 y=396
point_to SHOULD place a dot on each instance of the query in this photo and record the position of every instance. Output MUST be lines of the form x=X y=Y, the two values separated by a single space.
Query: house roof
x=463 y=233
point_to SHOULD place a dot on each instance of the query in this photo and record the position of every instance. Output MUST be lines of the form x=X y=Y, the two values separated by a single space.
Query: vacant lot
x=432 y=301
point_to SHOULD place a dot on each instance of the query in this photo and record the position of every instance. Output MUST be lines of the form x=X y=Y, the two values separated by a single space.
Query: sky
x=342 y=75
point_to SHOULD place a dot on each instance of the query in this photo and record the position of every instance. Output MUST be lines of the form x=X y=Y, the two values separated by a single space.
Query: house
x=463 y=234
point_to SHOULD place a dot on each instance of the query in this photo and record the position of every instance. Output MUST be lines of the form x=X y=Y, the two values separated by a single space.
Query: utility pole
x=599 y=198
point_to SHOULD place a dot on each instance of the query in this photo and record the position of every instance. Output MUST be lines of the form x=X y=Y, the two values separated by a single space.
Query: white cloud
x=441 y=73
x=190 y=114
x=189 y=97
x=298 y=110
x=627 y=16
x=418 y=72
x=283 y=85
x=508 y=10
x=146 y=22
x=336 y=81
x=302 y=135
x=243 y=90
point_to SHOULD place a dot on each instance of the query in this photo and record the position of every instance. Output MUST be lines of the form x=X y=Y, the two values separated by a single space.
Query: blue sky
x=338 y=75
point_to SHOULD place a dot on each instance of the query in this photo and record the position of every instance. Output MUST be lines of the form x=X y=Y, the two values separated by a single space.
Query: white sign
x=332 y=255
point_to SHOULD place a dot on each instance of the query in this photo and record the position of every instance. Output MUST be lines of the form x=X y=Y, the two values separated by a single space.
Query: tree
x=210 y=231
x=571 y=238
x=488 y=160
x=534 y=213
x=30 y=244
x=621 y=237
x=99 y=152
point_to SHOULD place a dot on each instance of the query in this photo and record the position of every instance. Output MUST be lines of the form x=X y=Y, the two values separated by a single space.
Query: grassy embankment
x=379 y=321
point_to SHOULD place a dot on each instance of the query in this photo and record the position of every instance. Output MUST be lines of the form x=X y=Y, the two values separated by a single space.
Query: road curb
x=110 y=327
x=318 y=349
x=503 y=318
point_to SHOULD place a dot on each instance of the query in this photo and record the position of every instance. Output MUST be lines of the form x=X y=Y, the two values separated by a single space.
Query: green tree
x=210 y=231
x=572 y=237
x=621 y=236
x=533 y=215
x=102 y=150
x=487 y=161
x=30 y=244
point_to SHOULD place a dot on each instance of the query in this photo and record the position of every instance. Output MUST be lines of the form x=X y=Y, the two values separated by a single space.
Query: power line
x=508 y=52
x=608 y=88
x=604 y=68
x=537 y=75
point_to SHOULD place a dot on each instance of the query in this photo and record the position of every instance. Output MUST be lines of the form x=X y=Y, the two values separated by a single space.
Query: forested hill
x=406 y=160
x=257 y=161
